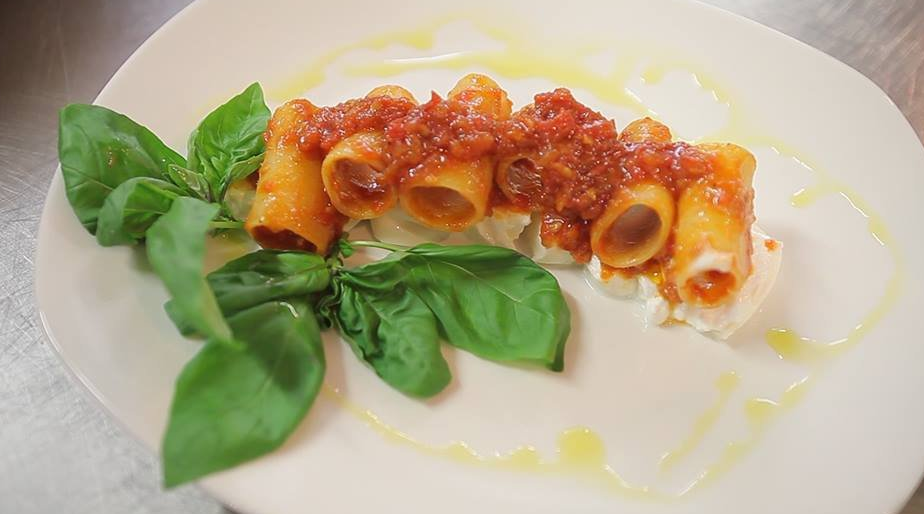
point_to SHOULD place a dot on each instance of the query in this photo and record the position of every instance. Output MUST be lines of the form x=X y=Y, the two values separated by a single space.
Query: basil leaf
x=99 y=149
x=243 y=169
x=131 y=208
x=192 y=183
x=184 y=327
x=229 y=139
x=393 y=331
x=490 y=301
x=267 y=275
x=233 y=404
x=176 y=249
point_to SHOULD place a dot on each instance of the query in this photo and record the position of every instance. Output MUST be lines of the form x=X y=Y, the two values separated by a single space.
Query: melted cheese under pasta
x=717 y=322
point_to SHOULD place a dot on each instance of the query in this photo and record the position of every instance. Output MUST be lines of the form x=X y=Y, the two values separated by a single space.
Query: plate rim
x=88 y=388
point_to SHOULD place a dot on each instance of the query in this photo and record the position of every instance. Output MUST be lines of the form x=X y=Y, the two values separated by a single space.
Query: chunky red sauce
x=568 y=233
x=579 y=162
x=573 y=148
x=327 y=126
x=569 y=159
x=438 y=130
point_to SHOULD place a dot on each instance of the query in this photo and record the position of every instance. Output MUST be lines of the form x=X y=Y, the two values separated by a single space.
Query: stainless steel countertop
x=59 y=452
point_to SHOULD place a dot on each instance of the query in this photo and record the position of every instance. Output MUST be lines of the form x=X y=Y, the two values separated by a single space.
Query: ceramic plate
x=644 y=420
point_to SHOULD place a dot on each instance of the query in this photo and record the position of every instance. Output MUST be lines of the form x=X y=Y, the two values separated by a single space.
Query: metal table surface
x=59 y=452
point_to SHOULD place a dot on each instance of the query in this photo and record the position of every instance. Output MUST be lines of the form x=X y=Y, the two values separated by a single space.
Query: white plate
x=853 y=444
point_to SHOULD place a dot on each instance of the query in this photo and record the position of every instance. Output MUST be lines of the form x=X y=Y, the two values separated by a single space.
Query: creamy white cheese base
x=501 y=229
x=396 y=227
x=656 y=309
x=718 y=322
x=617 y=285
x=722 y=321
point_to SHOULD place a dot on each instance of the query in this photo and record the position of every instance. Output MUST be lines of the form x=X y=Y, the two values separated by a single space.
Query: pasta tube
x=635 y=225
x=354 y=171
x=354 y=176
x=482 y=94
x=646 y=130
x=712 y=245
x=291 y=210
x=391 y=90
x=450 y=193
x=452 y=197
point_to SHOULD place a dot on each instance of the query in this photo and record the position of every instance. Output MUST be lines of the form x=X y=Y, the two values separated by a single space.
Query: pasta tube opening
x=354 y=176
x=441 y=206
x=450 y=189
x=634 y=227
x=283 y=239
x=712 y=285
x=519 y=180
x=354 y=171
x=452 y=197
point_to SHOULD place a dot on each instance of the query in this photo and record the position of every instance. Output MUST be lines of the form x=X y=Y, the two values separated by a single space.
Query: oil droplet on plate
x=581 y=448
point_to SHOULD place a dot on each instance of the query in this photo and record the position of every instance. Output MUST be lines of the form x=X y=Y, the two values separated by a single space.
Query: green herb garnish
x=100 y=149
x=236 y=403
x=261 y=315
x=228 y=144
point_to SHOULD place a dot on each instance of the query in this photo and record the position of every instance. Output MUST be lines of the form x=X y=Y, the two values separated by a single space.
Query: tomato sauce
x=570 y=161
x=574 y=149
x=436 y=131
x=327 y=126
x=581 y=164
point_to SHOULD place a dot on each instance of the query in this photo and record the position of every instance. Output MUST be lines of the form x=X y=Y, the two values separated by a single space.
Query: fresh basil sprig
x=176 y=250
x=228 y=144
x=131 y=208
x=491 y=301
x=391 y=312
x=101 y=150
x=235 y=403
x=268 y=275
x=192 y=183
x=391 y=329
x=262 y=363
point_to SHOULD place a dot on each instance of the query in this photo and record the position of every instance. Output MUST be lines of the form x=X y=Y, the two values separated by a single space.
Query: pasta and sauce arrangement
x=554 y=182
x=663 y=220
x=523 y=271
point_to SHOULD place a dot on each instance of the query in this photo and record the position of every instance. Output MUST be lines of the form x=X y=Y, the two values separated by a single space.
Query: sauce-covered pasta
x=637 y=201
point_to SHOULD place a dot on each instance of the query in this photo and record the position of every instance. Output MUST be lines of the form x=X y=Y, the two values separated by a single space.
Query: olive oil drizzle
x=726 y=385
x=579 y=452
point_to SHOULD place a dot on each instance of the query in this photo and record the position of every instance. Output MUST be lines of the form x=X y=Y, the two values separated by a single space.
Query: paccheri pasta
x=637 y=202
x=291 y=209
